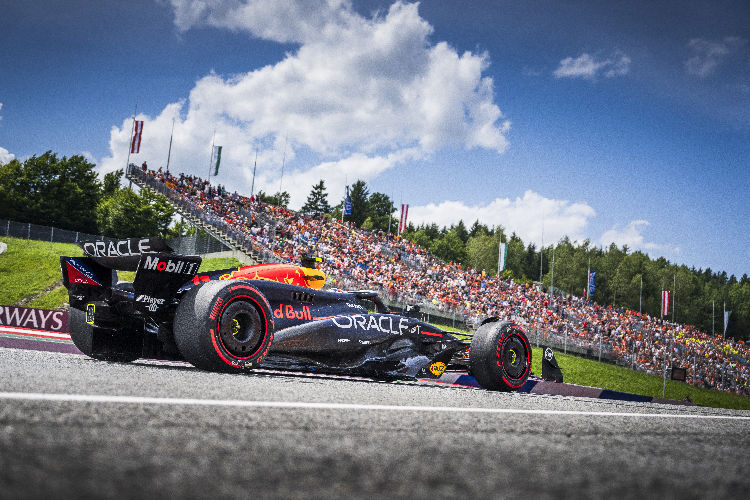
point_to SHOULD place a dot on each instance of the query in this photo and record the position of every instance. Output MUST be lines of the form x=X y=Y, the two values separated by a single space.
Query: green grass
x=30 y=267
x=582 y=371
x=27 y=269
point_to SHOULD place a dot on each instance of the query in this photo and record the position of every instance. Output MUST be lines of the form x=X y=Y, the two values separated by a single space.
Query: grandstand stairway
x=249 y=256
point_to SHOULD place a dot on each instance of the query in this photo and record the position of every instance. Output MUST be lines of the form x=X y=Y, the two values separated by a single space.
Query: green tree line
x=67 y=193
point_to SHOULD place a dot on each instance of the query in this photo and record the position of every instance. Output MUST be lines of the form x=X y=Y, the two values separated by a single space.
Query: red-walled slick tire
x=224 y=326
x=500 y=356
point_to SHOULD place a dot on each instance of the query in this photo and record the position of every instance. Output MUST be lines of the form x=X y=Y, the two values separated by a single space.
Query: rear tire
x=112 y=343
x=224 y=326
x=500 y=356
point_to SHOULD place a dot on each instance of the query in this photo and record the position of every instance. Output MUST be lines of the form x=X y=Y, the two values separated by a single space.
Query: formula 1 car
x=268 y=315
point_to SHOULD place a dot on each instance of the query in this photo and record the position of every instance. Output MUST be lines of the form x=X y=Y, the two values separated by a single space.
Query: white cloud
x=1 y=107
x=532 y=217
x=278 y=20
x=5 y=156
x=632 y=236
x=589 y=67
x=359 y=96
x=708 y=55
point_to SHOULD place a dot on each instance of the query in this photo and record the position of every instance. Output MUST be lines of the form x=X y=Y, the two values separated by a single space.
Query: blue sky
x=625 y=122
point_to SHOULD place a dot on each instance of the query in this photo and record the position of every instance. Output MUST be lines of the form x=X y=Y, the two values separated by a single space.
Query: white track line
x=93 y=398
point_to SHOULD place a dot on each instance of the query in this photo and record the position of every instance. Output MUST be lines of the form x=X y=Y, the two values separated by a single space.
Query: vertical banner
x=135 y=143
x=592 y=284
x=347 y=203
x=726 y=320
x=502 y=257
x=218 y=159
x=404 y=215
x=665 y=302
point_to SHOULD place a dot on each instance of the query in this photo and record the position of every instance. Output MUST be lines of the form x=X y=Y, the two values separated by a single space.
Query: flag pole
x=169 y=154
x=211 y=158
x=130 y=141
x=255 y=166
x=541 y=254
x=640 y=297
x=552 y=272
x=283 y=162
x=674 y=294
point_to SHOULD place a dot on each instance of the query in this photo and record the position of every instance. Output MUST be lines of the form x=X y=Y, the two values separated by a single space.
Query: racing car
x=276 y=316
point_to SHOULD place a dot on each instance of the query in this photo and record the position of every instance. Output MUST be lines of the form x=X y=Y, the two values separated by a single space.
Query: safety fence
x=196 y=244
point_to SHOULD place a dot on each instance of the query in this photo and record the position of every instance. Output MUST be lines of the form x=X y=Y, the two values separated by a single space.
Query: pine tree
x=317 y=200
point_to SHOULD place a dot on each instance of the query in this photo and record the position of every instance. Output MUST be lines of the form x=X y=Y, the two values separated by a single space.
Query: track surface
x=150 y=429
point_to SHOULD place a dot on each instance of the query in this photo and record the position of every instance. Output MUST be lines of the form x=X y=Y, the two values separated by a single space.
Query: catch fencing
x=196 y=244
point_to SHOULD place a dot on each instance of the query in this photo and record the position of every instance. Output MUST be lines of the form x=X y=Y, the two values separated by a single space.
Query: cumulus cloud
x=359 y=96
x=532 y=217
x=292 y=21
x=5 y=156
x=589 y=67
x=708 y=55
x=632 y=236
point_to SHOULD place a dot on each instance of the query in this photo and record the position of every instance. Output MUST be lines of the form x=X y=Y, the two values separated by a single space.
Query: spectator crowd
x=354 y=258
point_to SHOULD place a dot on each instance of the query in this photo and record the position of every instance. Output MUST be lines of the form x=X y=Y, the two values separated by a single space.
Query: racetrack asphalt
x=73 y=427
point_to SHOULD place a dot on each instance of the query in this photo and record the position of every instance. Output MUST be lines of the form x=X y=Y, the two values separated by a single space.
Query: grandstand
x=405 y=273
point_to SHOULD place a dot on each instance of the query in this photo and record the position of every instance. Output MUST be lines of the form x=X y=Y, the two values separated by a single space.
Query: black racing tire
x=500 y=356
x=82 y=335
x=224 y=325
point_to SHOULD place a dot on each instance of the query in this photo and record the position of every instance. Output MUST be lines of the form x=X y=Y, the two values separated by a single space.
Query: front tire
x=500 y=356
x=224 y=326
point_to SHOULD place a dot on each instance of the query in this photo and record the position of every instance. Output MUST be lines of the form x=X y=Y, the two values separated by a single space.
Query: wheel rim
x=241 y=329
x=514 y=357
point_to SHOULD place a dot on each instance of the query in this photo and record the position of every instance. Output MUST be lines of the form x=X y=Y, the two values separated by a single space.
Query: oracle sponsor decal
x=40 y=319
x=383 y=323
x=120 y=248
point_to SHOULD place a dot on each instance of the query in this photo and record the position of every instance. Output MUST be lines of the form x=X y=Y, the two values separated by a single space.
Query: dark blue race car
x=269 y=315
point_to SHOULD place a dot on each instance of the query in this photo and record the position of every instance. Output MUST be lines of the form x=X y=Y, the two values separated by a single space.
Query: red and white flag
x=665 y=303
x=404 y=215
x=135 y=144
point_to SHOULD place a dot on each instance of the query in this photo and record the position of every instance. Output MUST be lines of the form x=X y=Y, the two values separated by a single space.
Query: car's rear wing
x=158 y=274
x=124 y=254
